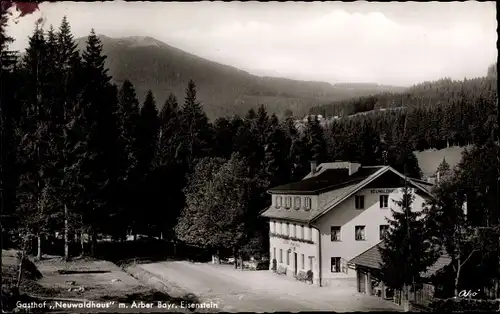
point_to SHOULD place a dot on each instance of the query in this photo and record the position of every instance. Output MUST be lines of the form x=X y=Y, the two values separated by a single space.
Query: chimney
x=313 y=167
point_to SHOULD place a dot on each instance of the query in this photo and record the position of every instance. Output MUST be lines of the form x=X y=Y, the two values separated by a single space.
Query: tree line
x=83 y=156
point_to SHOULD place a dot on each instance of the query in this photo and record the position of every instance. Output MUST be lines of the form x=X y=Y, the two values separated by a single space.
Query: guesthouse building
x=336 y=212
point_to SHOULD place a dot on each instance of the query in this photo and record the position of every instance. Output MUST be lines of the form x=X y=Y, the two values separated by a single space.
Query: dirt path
x=87 y=285
x=261 y=291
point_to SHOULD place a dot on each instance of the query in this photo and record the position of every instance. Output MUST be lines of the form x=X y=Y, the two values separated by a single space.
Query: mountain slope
x=223 y=90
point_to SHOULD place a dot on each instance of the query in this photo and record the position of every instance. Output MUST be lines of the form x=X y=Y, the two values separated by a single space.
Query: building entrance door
x=361 y=281
x=295 y=263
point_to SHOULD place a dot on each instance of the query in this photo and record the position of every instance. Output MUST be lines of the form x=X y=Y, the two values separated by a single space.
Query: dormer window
x=307 y=203
x=279 y=201
x=288 y=202
x=297 y=202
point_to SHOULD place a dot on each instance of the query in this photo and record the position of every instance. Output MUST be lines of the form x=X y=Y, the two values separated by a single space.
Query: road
x=261 y=291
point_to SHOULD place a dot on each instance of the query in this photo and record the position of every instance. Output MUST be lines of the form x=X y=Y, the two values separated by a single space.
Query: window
x=274 y=253
x=287 y=229
x=301 y=232
x=279 y=201
x=360 y=233
x=288 y=202
x=274 y=226
x=302 y=258
x=308 y=203
x=359 y=201
x=335 y=233
x=383 y=230
x=335 y=264
x=281 y=255
x=384 y=201
x=294 y=230
x=311 y=259
x=297 y=202
x=288 y=257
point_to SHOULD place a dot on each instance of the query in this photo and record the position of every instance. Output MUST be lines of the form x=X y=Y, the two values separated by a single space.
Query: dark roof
x=303 y=215
x=326 y=180
x=372 y=258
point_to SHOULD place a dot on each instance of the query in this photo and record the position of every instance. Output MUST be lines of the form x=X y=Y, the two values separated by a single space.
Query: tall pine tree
x=196 y=130
x=99 y=97
x=405 y=253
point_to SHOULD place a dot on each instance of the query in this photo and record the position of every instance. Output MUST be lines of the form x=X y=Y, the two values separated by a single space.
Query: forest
x=84 y=157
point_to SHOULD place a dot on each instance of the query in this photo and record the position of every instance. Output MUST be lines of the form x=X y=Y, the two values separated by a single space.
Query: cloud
x=353 y=47
x=309 y=42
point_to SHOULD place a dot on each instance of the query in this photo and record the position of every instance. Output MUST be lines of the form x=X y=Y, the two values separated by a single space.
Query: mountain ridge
x=223 y=89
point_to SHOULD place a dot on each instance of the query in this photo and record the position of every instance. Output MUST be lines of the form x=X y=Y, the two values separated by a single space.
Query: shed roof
x=372 y=258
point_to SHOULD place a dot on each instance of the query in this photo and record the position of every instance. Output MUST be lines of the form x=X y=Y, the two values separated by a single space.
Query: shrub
x=274 y=266
x=464 y=305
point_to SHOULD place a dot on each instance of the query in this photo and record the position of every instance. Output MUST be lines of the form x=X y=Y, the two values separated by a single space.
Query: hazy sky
x=399 y=43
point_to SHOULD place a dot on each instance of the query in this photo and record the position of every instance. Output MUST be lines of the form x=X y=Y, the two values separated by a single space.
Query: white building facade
x=335 y=213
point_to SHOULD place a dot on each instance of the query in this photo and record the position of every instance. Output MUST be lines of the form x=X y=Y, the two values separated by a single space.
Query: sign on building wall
x=382 y=191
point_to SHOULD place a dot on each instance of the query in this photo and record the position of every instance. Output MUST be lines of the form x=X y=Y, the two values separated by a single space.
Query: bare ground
x=261 y=291
x=86 y=280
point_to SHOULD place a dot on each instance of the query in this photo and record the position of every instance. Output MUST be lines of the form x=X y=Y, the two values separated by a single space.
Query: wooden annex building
x=367 y=265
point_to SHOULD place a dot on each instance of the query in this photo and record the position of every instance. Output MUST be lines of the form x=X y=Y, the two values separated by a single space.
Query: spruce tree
x=196 y=130
x=443 y=168
x=148 y=140
x=10 y=97
x=148 y=130
x=169 y=133
x=316 y=140
x=405 y=252
x=129 y=174
x=275 y=161
x=99 y=97
x=65 y=92
x=168 y=173
x=223 y=138
x=36 y=151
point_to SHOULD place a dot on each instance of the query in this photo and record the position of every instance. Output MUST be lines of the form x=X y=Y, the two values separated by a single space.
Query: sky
x=393 y=43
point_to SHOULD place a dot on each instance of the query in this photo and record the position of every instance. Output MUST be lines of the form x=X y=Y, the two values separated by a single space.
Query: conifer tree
x=129 y=174
x=443 y=168
x=10 y=105
x=148 y=132
x=405 y=251
x=148 y=140
x=99 y=97
x=276 y=155
x=169 y=133
x=36 y=151
x=64 y=90
x=168 y=175
x=196 y=130
x=316 y=140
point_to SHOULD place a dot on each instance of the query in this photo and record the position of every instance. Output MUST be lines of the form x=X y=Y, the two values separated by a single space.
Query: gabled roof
x=372 y=258
x=328 y=179
x=340 y=192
